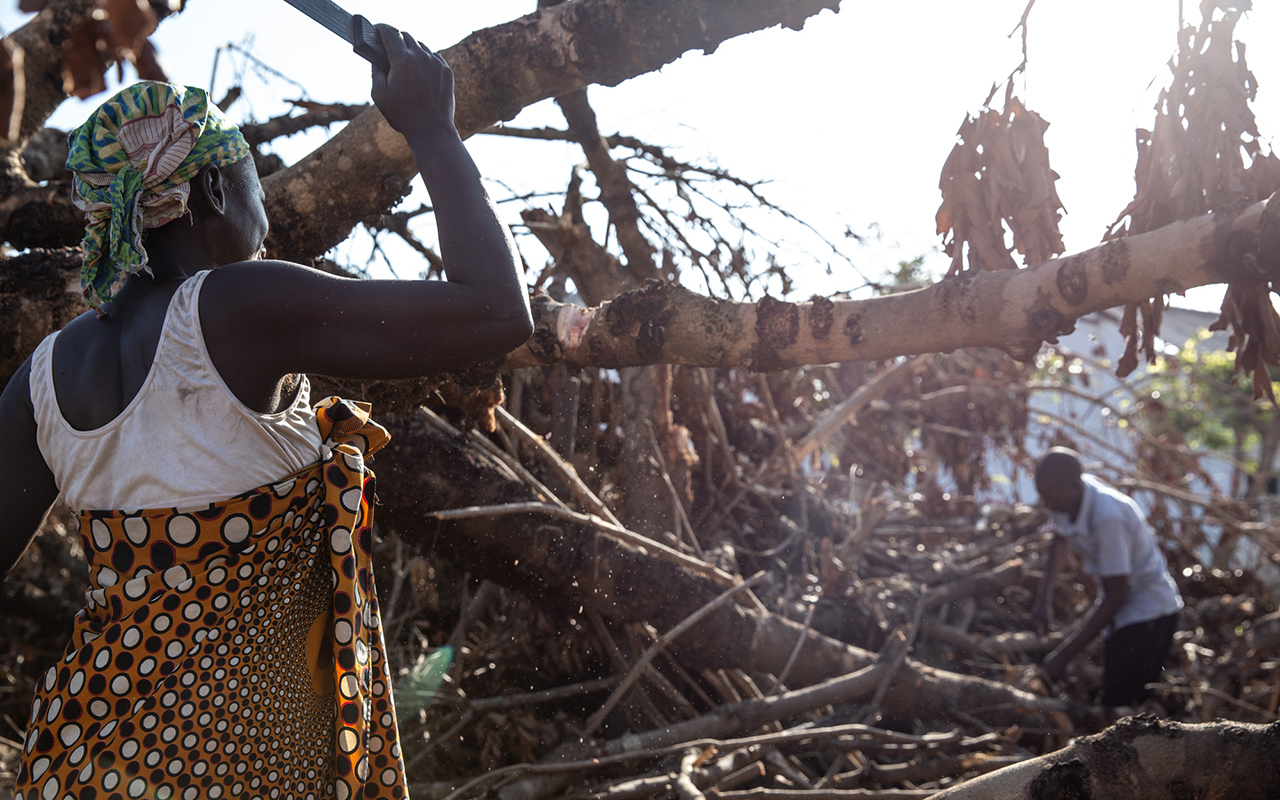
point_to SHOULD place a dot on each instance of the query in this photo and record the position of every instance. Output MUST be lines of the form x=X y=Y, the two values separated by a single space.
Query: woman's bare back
x=100 y=364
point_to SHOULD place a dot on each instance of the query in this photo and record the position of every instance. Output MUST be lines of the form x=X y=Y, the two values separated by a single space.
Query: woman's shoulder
x=99 y=361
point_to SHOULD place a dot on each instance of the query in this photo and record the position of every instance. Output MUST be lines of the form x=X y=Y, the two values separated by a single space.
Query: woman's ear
x=208 y=190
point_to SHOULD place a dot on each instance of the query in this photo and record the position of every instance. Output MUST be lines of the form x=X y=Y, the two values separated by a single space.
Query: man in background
x=1137 y=610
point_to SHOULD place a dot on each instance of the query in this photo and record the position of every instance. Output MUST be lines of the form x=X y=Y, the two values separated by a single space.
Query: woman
x=230 y=644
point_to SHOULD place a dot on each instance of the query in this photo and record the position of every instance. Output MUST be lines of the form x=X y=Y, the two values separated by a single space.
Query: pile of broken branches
x=776 y=642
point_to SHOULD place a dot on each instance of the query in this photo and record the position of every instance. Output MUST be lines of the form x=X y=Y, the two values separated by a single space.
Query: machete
x=356 y=30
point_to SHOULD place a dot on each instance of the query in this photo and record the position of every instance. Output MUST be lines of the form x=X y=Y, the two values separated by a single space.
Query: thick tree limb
x=41 y=41
x=39 y=293
x=32 y=215
x=1144 y=757
x=1014 y=311
x=366 y=168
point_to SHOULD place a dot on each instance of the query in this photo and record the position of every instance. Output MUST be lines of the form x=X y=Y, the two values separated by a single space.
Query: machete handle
x=367 y=43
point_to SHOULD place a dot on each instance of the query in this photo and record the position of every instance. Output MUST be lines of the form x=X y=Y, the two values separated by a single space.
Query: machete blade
x=355 y=30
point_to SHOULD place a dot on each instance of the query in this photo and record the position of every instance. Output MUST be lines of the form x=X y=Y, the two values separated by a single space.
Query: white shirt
x=183 y=441
x=1112 y=536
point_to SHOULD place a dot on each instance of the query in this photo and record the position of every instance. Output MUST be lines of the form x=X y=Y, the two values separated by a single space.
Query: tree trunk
x=1010 y=310
x=32 y=215
x=39 y=293
x=1144 y=757
x=41 y=41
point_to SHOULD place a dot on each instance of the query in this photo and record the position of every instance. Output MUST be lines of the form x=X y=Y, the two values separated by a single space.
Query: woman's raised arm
x=267 y=319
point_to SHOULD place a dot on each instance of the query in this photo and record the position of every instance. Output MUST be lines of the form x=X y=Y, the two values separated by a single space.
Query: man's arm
x=27 y=488
x=1042 y=610
x=1115 y=589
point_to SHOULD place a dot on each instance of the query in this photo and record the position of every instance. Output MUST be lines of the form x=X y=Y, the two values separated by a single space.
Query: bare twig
x=563 y=468
x=675 y=496
x=846 y=411
x=634 y=539
x=594 y=723
x=795 y=651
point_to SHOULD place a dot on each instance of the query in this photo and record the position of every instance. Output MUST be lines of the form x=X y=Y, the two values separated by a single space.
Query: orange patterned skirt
x=230 y=651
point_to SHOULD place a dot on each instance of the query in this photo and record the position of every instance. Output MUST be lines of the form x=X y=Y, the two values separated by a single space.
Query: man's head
x=1058 y=480
x=134 y=161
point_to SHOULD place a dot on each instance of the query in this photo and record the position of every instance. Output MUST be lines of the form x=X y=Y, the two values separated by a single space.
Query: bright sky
x=851 y=118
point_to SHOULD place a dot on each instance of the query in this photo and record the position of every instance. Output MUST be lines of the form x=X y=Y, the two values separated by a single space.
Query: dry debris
x=535 y=699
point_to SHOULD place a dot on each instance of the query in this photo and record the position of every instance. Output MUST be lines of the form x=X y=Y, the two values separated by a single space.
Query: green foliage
x=909 y=274
x=1203 y=401
x=912 y=271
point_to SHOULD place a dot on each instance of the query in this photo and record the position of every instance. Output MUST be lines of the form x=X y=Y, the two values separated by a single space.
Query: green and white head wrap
x=133 y=162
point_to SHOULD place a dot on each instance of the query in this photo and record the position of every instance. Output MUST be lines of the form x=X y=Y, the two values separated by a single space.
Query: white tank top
x=184 y=440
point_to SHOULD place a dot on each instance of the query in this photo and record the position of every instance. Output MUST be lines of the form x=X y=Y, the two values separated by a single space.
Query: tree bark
x=366 y=168
x=39 y=293
x=32 y=215
x=1010 y=310
x=41 y=41
x=1144 y=757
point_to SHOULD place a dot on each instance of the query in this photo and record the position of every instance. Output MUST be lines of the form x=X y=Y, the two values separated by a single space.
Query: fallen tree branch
x=847 y=410
x=42 y=41
x=313 y=115
x=1217 y=760
x=1010 y=310
x=563 y=468
x=827 y=794
x=634 y=539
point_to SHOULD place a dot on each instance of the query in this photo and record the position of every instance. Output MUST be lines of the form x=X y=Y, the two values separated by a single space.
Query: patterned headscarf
x=133 y=162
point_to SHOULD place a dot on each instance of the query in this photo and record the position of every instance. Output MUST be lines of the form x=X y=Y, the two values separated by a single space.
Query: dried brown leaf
x=997 y=178
x=118 y=31
x=1203 y=153
x=32 y=6
x=131 y=22
x=84 y=64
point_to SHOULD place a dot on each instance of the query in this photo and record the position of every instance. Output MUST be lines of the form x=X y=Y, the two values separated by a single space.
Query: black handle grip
x=367 y=43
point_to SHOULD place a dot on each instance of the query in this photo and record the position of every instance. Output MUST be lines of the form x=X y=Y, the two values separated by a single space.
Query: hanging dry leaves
x=84 y=60
x=1255 y=332
x=1203 y=153
x=118 y=31
x=998 y=177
